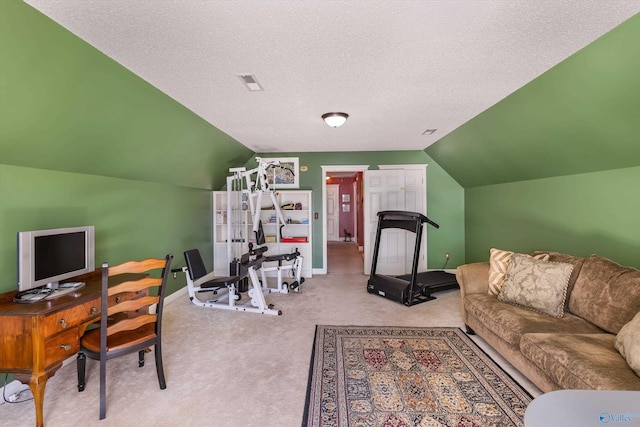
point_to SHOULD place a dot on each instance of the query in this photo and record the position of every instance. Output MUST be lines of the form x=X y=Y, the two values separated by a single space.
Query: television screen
x=59 y=253
x=46 y=257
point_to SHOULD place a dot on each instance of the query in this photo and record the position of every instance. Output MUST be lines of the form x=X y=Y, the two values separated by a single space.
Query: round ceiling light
x=335 y=119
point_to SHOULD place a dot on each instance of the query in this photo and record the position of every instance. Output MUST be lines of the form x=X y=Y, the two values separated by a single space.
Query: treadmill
x=416 y=287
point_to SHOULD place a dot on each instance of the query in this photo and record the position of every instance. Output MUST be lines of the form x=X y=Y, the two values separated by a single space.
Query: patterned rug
x=399 y=376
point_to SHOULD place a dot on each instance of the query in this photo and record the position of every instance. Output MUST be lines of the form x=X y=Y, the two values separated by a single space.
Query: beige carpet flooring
x=227 y=368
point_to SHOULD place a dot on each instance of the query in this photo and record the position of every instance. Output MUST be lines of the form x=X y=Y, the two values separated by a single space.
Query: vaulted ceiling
x=579 y=117
x=398 y=68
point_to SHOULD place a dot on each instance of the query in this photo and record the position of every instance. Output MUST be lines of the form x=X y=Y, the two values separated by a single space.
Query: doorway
x=349 y=210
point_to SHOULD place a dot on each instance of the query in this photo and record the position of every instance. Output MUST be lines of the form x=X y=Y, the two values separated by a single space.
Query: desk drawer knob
x=118 y=299
x=93 y=310
x=65 y=347
x=63 y=323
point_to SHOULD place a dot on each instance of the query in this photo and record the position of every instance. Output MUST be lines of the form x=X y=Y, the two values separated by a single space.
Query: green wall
x=133 y=219
x=64 y=105
x=85 y=141
x=577 y=214
x=580 y=116
x=445 y=197
x=555 y=165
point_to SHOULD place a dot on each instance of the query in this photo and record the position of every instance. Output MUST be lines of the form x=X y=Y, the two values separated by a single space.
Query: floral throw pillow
x=536 y=284
x=628 y=343
x=498 y=263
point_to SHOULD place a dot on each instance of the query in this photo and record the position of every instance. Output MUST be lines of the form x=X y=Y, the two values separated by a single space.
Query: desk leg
x=37 y=385
x=37 y=389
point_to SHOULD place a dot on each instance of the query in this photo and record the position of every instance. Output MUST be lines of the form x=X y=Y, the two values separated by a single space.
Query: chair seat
x=91 y=339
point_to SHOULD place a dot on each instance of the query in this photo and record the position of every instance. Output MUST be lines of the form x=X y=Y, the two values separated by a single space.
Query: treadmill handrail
x=390 y=216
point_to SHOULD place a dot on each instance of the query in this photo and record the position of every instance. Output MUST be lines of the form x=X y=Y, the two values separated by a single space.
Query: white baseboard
x=176 y=295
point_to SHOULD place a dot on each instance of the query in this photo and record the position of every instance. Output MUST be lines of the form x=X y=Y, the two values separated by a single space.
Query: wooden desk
x=35 y=338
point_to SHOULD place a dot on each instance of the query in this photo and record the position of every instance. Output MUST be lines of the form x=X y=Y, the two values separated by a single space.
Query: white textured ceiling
x=396 y=67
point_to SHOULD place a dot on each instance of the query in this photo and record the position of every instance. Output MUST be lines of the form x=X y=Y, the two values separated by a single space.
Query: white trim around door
x=325 y=169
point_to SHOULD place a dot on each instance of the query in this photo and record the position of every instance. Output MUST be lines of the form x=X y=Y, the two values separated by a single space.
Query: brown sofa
x=575 y=351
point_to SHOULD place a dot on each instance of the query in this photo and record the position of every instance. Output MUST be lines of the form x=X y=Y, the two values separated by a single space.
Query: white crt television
x=46 y=257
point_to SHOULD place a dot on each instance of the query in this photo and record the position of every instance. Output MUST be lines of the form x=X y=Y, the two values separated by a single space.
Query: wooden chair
x=127 y=324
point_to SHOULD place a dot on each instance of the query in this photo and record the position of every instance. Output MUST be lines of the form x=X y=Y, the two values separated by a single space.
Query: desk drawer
x=67 y=319
x=61 y=346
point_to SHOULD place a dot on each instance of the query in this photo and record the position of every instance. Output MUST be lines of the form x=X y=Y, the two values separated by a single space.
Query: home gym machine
x=416 y=287
x=245 y=191
x=224 y=291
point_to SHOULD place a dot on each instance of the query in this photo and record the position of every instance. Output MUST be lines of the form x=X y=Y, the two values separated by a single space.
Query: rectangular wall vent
x=250 y=81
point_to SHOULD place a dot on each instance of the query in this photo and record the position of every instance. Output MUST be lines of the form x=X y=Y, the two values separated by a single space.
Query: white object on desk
x=584 y=408
x=74 y=285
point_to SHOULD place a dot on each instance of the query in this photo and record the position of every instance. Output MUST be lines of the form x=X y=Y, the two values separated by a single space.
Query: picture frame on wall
x=346 y=198
x=285 y=176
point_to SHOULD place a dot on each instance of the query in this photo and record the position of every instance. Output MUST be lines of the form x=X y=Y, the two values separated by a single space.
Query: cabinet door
x=220 y=233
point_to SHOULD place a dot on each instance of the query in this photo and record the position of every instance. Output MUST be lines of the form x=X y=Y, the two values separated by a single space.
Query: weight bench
x=225 y=289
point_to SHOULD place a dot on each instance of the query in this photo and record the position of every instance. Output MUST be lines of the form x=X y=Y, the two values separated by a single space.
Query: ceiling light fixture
x=335 y=119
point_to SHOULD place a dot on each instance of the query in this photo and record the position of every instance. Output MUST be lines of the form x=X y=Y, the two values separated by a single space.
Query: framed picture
x=346 y=198
x=285 y=176
x=346 y=207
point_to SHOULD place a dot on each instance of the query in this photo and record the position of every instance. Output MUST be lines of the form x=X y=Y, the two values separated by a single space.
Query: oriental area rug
x=402 y=376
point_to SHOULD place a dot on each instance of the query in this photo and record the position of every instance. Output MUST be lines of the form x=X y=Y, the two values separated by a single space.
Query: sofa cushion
x=560 y=257
x=498 y=264
x=580 y=361
x=606 y=293
x=628 y=343
x=510 y=322
x=536 y=285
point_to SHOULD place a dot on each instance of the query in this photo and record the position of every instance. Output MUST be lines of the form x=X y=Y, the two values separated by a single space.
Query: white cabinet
x=295 y=206
x=237 y=225
x=229 y=225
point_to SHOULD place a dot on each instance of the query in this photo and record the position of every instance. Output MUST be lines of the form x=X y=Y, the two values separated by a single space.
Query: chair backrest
x=195 y=265
x=132 y=296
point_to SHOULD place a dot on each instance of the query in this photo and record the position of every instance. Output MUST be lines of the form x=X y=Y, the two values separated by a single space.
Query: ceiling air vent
x=250 y=81
x=429 y=131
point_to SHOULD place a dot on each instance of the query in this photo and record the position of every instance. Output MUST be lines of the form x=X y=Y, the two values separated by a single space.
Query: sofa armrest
x=473 y=278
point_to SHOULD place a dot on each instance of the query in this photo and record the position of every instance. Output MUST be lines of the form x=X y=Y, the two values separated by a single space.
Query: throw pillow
x=628 y=343
x=536 y=284
x=498 y=263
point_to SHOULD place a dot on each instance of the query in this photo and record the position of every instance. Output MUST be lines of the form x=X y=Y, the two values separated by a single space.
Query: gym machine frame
x=251 y=192
x=228 y=299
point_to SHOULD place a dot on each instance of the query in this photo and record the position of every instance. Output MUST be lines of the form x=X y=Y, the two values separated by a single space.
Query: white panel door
x=383 y=191
x=414 y=190
x=333 y=214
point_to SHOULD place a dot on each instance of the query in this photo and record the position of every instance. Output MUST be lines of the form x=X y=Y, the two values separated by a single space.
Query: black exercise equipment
x=226 y=293
x=413 y=288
